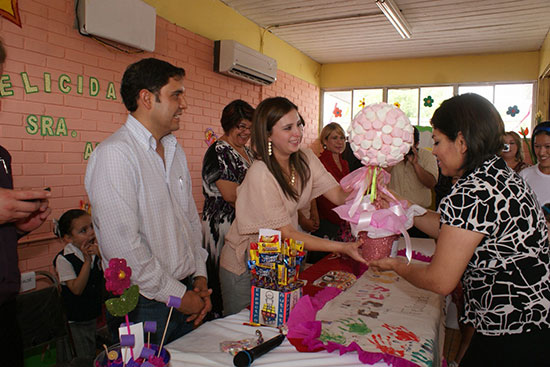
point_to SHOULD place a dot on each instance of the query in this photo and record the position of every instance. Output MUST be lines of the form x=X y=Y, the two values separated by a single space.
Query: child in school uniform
x=79 y=270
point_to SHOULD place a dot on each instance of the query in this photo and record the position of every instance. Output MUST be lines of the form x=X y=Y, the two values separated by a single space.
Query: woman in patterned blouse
x=491 y=235
x=223 y=169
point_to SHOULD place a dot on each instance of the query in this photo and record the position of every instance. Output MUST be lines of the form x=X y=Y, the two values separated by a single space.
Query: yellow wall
x=436 y=70
x=214 y=20
x=544 y=63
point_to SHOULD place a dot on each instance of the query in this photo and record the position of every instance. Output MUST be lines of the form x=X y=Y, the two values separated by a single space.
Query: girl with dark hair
x=538 y=176
x=491 y=235
x=223 y=169
x=282 y=180
x=79 y=271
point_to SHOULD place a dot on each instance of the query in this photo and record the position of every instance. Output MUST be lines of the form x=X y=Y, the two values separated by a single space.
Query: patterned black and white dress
x=221 y=162
x=507 y=281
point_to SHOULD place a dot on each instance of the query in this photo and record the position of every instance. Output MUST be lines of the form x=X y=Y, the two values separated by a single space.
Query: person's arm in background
x=311 y=223
x=228 y=189
x=200 y=281
x=426 y=178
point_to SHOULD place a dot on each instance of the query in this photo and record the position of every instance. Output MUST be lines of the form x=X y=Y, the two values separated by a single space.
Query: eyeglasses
x=242 y=127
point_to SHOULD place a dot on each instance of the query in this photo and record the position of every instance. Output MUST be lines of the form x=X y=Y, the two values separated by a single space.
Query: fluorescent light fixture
x=395 y=17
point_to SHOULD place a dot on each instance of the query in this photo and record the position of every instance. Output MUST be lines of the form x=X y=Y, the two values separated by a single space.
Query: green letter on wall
x=94 y=86
x=27 y=84
x=5 y=86
x=88 y=149
x=111 y=91
x=32 y=124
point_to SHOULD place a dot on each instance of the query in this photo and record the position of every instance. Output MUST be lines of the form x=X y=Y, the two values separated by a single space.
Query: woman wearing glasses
x=223 y=169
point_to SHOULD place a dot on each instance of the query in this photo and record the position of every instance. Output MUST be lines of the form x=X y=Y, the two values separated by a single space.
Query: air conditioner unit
x=233 y=59
x=130 y=22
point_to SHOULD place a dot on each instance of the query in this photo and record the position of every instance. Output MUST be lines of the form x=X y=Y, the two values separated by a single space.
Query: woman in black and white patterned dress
x=491 y=234
x=223 y=169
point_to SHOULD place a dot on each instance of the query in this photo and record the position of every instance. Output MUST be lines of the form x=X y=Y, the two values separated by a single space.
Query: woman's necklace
x=292 y=177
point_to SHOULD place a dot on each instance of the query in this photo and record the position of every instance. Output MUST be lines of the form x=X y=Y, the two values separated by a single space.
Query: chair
x=41 y=317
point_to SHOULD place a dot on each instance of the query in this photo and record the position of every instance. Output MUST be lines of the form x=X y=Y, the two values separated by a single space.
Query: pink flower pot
x=376 y=248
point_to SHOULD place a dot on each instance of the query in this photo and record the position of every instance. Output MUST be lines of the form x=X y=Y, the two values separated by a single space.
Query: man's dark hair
x=2 y=52
x=151 y=74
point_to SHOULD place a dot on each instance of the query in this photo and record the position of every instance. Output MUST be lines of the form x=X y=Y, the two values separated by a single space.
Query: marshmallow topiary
x=381 y=135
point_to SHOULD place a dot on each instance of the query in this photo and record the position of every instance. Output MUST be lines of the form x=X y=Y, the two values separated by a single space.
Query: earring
x=269 y=149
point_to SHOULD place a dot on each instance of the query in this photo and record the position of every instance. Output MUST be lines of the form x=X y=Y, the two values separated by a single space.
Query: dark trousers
x=11 y=344
x=527 y=349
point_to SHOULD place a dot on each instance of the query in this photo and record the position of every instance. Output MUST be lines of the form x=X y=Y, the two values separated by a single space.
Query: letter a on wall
x=10 y=11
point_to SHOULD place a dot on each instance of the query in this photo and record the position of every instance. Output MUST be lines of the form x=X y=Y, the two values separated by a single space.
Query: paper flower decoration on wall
x=362 y=103
x=428 y=101
x=512 y=110
x=9 y=9
x=337 y=112
x=210 y=136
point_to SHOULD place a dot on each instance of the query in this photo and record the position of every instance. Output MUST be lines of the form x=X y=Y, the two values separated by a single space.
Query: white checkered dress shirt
x=144 y=212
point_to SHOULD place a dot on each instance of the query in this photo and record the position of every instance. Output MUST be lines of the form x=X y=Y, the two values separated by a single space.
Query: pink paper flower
x=117 y=276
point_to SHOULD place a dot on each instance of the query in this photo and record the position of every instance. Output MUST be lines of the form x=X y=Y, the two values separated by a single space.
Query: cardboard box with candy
x=275 y=263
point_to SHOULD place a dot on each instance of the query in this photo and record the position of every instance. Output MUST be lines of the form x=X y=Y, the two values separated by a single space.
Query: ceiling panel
x=331 y=31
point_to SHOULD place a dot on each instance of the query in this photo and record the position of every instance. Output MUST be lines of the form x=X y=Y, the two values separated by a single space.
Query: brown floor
x=452 y=341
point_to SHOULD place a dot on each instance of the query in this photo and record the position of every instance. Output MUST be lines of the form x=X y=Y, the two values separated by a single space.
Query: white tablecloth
x=202 y=346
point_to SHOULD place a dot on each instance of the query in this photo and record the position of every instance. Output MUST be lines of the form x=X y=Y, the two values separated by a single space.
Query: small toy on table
x=149 y=327
x=173 y=301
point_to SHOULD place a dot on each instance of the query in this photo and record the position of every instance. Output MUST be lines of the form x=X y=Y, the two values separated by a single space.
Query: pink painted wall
x=48 y=46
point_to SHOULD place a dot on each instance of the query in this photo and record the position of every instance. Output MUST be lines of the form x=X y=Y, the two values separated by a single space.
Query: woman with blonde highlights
x=513 y=151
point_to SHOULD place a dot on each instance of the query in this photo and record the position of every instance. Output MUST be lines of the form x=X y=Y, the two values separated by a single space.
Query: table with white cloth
x=201 y=347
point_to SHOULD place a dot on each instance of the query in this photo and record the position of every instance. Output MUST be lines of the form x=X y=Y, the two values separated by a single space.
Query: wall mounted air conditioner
x=233 y=59
x=130 y=22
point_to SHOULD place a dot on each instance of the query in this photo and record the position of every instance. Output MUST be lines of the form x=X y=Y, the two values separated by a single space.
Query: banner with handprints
x=383 y=317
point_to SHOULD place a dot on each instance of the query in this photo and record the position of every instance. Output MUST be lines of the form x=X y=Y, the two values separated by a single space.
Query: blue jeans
x=151 y=310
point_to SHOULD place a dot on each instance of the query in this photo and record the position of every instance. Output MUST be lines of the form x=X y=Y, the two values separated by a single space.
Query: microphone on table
x=245 y=357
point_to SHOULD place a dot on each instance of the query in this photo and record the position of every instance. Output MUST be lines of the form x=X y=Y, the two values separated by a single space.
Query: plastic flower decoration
x=117 y=276
x=523 y=133
x=512 y=110
x=362 y=103
x=397 y=104
x=428 y=101
x=337 y=112
x=538 y=117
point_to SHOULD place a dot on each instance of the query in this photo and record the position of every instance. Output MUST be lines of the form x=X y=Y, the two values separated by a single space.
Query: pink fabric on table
x=304 y=331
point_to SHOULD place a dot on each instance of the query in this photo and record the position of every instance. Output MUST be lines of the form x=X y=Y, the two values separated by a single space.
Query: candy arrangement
x=275 y=264
x=132 y=352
